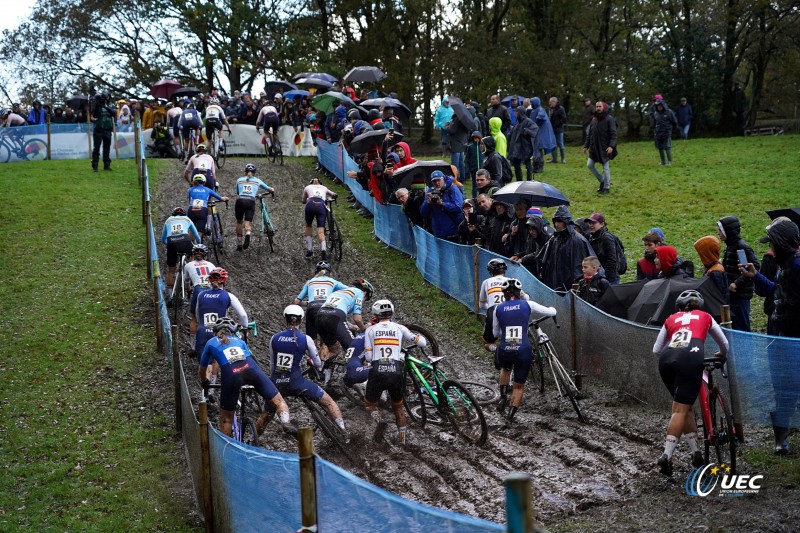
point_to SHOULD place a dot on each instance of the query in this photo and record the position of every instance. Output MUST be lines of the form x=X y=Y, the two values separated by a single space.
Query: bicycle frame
x=709 y=393
x=413 y=364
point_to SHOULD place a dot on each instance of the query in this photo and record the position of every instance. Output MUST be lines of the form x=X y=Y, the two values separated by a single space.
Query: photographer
x=102 y=116
x=443 y=204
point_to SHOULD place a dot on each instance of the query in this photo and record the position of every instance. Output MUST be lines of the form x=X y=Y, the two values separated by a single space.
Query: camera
x=436 y=196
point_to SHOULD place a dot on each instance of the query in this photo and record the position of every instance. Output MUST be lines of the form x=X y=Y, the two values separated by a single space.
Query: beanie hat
x=533 y=212
x=658 y=232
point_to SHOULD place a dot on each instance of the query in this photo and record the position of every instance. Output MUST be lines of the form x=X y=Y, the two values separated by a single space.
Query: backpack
x=508 y=174
x=622 y=260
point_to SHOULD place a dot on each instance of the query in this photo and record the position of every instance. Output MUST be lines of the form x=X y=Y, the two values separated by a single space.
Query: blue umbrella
x=538 y=193
x=507 y=100
x=295 y=92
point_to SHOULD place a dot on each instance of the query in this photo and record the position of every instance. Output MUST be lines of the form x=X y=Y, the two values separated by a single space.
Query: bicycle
x=31 y=150
x=216 y=233
x=216 y=146
x=546 y=352
x=332 y=234
x=719 y=432
x=273 y=148
x=267 y=227
x=244 y=431
x=333 y=433
x=192 y=144
x=178 y=294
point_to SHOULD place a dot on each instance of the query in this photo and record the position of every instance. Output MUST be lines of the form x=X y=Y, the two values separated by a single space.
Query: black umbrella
x=618 y=298
x=400 y=109
x=77 y=101
x=365 y=74
x=536 y=193
x=371 y=139
x=421 y=170
x=186 y=91
x=316 y=83
x=301 y=75
x=322 y=75
x=792 y=214
x=656 y=300
x=278 y=86
x=464 y=116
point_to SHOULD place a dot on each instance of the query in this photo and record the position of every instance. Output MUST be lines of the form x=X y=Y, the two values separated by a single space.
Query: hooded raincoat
x=561 y=258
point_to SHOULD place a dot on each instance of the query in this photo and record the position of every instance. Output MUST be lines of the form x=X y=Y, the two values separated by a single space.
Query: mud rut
x=584 y=474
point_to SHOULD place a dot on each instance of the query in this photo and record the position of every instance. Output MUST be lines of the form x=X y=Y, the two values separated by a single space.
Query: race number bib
x=320 y=293
x=176 y=228
x=385 y=353
x=513 y=334
x=197 y=203
x=283 y=361
x=680 y=339
x=212 y=112
x=497 y=298
x=209 y=319
x=247 y=189
x=333 y=301
x=317 y=194
x=234 y=354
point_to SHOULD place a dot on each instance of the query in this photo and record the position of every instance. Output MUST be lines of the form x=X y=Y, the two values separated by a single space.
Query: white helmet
x=293 y=311
x=382 y=308
x=278 y=95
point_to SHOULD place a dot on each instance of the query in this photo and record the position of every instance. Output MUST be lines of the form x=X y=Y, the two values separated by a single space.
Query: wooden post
x=48 y=138
x=208 y=505
x=89 y=129
x=149 y=253
x=519 y=504
x=157 y=306
x=736 y=406
x=573 y=337
x=476 y=287
x=114 y=129
x=136 y=148
x=308 y=480
x=176 y=380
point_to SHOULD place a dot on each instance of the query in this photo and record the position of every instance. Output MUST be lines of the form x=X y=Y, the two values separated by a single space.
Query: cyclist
x=382 y=350
x=189 y=124
x=357 y=370
x=174 y=114
x=247 y=187
x=314 y=196
x=238 y=367
x=11 y=119
x=198 y=271
x=680 y=347
x=515 y=352
x=270 y=120
x=202 y=163
x=178 y=234
x=316 y=292
x=490 y=295
x=198 y=203
x=212 y=304
x=332 y=324
x=287 y=350
x=215 y=116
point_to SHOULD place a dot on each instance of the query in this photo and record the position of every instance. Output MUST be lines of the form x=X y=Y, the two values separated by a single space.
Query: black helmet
x=353 y=114
x=496 y=266
x=178 y=211
x=373 y=114
x=365 y=286
x=323 y=265
x=225 y=322
x=689 y=298
x=511 y=284
x=250 y=167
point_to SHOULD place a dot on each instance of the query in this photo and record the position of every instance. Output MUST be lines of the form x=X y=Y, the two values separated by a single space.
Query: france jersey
x=287 y=350
x=511 y=320
x=348 y=300
x=224 y=354
x=198 y=271
x=317 y=289
x=175 y=226
x=247 y=187
x=198 y=196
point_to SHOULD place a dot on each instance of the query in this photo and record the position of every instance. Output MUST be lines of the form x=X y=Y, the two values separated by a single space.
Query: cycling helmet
x=225 y=322
x=323 y=265
x=365 y=286
x=218 y=275
x=200 y=249
x=373 y=114
x=689 y=298
x=187 y=100
x=348 y=129
x=511 y=284
x=496 y=266
x=198 y=177
x=214 y=101
x=250 y=167
x=200 y=147
x=383 y=308
x=353 y=114
x=178 y=211
x=293 y=312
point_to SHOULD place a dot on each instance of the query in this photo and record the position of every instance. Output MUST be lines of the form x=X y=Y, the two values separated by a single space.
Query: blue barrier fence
x=616 y=351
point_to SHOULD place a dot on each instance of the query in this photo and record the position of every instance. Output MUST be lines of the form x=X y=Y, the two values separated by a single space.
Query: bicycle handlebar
x=716 y=362
x=263 y=194
x=536 y=322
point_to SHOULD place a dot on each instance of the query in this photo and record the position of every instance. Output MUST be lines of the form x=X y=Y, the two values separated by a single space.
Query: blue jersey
x=225 y=354
x=176 y=226
x=287 y=350
x=356 y=348
x=211 y=305
x=190 y=117
x=511 y=319
x=318 y=288
x=248 y=187
x=348 y=300
x=198 y=196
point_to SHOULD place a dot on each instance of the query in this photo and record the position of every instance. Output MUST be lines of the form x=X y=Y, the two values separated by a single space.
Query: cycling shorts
x=212 y=124
x=199 y=217
x=315 y=209
x=271 y=121
x=188 y=129
x=355 y=371
x=201 y=337
x=312 y=309
x=245 y=209
x=246 y=372
x=392 y=380
x=197 y=289
x=294 y=384
x=332 y=327
x=681 y=371
x=211 y=183
x=177 y=244
x=519 y=361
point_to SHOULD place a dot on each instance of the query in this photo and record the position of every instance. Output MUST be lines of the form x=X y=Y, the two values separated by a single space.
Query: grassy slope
x=81 y=446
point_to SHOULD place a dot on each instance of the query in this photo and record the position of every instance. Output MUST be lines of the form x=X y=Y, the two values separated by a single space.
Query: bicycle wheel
x=34 y=150
x=564 y=383
x=724 y=440
x=538 y=360
x=422 y=352
x=270 y=232
x=221 y=154
x=332 y=432
x=414 y=399
x=334 y=239
x=216 y=239
x=352 y=394
x=5 y=153
x=484 y=394
x=464 y=412
x=248 y=432
x=176 y=295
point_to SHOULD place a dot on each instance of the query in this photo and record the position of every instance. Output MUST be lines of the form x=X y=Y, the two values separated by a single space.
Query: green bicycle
x=267 y=228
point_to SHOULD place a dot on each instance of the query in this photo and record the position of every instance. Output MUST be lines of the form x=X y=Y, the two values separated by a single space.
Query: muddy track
x=585 y=475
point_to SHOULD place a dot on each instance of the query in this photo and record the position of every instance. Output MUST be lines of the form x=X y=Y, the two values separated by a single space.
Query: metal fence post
x=573 y=337
x=519 y=504
x=49 y=153
x=208 y=504
x=736 y=406
x=176 y=380
x=308 y=481
x=148 y=227
x=476 y=276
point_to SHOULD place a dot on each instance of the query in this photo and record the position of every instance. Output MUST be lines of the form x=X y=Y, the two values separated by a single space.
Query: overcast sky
x=14 y=11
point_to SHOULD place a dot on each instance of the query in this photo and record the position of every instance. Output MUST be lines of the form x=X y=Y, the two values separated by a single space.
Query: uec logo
x=702 y=482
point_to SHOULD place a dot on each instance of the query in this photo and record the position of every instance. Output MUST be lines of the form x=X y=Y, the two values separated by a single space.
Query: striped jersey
x=384 y=340
x=349 y=300
x=318 y=288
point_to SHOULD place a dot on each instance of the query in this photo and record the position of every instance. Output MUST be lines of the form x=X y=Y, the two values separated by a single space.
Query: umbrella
x=375 y=138
x=316 y=83
x=364 y=74
x=405 y=176
x=537 y=193
x=327 y=101
x=164 y=88
x=278 y=86
x=507 y=100
x=186 y=91
x=464 y=116
x=618 y=298
x=301 y=75
x=77 y=101
x=399 y=107
x=295 y=92
x=656 y=301
x=792 y=214
x=322 y=75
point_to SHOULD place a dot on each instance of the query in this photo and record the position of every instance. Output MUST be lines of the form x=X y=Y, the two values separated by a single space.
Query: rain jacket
x=457 y=136
x=531 y=259
x=708 y=249
x=499 y=111
x=671 y=264
x=684 y=114
x=523 y=143
x=339 y=119
x=492 y=162
x=732 y=228
x=646 y=267
x=407 y=160
x=547 y=139
x=785 y=239
x=663 y=123
x=517 y=244
x=561 y=258
x=500 y=143
x=591 y=291
x=444 y=114
x=606 y=249
x=497 y=225
x=473 y=156
x=445 y=218
x=602 y=135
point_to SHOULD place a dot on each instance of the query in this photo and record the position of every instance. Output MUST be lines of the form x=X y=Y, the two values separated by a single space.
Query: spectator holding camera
x=103 y=114
x=443 y=204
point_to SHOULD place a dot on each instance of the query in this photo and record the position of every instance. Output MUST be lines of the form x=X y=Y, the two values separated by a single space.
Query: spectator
x=37 y=115
x=605 y=246
x=587 y=114
x=512 y=105
x=592 y=285
x=124 y=117
x=685 y=115
x=516 y=239
x=499 y=111
x=582 y=227
x=500 y=143
x=562 y=258
x=390 y=120
x=558 y=119
x=646 y=266
x=375 y=120
x=472 y=225
x=663 y=123
x=486 y=185
x=457 y=137
x=670 y=264
x=103 y=118
x=411 y=202
x=483 y=120
x=538 y=235
x=741 y=287
x=444 y=114
x=147 y=115
x=473 y=160
x=403 y=151
x=547 y=139
x=162 y=140
x=491 y=161
x=601 y=145
x=498 y=223
x=58 y=116
x=443 y=204
x=69 y=116
x=523 y=144
x=708 y=249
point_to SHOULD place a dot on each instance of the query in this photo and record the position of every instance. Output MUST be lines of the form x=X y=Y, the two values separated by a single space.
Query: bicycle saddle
x=435 y=360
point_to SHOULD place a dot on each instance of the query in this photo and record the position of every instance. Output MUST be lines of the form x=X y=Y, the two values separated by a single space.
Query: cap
x=658 y=232
x=277 y=95
x=437 y=175
x=467 y=203
x=533 y=212
x=477 y=134
x=597 y=217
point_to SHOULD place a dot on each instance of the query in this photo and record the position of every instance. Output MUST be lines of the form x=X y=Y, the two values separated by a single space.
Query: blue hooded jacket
x=547 y=138
x=445 y=218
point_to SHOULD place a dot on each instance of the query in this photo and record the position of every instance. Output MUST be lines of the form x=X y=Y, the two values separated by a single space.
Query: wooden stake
x=48 y=138
x=208 y=504
x=308 y=480
x=736 y=406
x=176 y=380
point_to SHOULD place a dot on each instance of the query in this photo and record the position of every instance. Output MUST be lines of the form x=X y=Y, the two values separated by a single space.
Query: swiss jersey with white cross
x=695 y=322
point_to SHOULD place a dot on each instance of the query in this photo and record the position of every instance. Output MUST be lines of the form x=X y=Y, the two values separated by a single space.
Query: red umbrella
x=165 y=88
